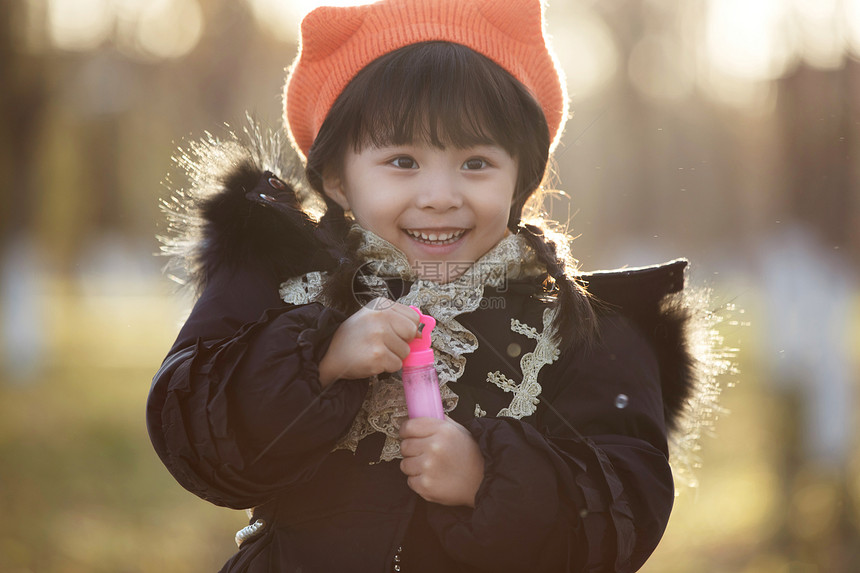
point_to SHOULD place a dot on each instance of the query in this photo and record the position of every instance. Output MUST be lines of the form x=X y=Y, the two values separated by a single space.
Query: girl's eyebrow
x=390 y=145
x=387 y=149
x=488 y=149
x=492 y=147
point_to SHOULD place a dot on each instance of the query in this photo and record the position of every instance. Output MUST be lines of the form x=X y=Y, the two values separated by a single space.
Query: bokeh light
x=168 y=28
x=748 y=40
x=820 y=31
x=587 y=52
x=851 y=16
x=148 y=29
x=79 y=25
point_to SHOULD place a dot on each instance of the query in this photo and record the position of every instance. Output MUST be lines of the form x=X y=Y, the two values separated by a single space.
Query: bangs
x=438 y=93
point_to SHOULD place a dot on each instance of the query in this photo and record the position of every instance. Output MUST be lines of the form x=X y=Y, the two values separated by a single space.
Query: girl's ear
x=333 y=187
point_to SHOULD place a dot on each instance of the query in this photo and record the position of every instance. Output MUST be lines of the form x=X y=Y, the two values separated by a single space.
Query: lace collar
x=384 y=406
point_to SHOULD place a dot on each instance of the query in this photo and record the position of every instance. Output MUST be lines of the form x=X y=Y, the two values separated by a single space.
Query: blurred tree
x=23 y=101
x=821 y=113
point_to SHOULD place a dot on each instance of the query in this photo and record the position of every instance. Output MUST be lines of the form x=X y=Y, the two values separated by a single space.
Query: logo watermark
x=370 y=287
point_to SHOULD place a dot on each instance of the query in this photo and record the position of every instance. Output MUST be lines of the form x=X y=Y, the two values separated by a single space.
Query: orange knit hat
x=336 y=43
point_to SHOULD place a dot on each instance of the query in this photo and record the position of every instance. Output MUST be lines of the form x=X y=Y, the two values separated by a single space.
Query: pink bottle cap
x=420 y=352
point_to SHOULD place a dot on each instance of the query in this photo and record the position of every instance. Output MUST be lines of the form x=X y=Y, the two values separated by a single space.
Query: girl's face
x=443 y=208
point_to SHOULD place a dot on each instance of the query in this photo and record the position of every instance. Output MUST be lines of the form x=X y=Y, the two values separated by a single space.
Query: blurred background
x=725 y=131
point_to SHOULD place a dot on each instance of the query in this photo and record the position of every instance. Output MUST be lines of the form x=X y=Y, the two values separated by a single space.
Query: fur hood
x=244 y=205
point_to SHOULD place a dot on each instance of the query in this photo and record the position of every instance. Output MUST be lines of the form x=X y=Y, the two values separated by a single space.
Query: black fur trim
x=236 y=213
x=256 y=220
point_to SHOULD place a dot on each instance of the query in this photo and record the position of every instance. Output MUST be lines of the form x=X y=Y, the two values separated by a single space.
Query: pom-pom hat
x=337 y=42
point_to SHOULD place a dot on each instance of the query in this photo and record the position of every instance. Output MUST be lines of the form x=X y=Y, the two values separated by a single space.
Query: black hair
x=444 y=94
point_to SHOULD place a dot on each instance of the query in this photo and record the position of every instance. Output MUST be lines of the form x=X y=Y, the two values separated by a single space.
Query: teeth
x=436 y=237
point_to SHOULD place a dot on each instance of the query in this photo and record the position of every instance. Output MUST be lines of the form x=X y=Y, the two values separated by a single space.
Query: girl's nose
x=439 y=192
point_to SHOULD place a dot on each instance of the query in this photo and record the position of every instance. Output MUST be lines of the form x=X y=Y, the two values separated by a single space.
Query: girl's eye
x=404 y=162
x=475 y=163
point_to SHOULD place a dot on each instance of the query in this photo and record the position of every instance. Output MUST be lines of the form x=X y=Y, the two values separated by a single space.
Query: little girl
x=425 y=127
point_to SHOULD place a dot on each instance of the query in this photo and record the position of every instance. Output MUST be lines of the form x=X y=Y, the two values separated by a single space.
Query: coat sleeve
x=235 y=388
x=588 y=488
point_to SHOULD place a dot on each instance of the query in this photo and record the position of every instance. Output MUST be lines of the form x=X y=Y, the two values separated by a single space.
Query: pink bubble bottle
x=420 y=383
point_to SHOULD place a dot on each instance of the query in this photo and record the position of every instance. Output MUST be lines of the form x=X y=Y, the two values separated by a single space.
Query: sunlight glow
x=820 y=32
x=78 y=25
x=586 y=51
x=746 y=40
x=852 y=24
x=169 y=28
x=154 y=29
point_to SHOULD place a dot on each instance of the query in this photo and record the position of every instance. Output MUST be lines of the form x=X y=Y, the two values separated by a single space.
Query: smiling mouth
x=436 y=238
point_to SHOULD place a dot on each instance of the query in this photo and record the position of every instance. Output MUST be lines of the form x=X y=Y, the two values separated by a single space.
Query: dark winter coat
x=583 y=484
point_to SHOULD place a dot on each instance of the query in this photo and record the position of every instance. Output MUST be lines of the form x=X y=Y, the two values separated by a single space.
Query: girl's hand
x=442 y=460
x=373 y=340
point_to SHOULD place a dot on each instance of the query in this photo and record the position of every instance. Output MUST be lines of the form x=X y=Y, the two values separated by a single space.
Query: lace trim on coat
x=303 y=289
x=525 y=400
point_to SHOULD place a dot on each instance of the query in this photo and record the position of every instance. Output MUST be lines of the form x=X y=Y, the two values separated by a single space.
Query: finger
x=407 y=448
x=412 y=316
x=398 y=346
x=404 y=429
x=408 y=312
x=391 y=362
x=412 y=447
x=421 y=485
x=419 y=428
x=417 y=483
x=404 y=326
x=414 y=484
x=410 y=467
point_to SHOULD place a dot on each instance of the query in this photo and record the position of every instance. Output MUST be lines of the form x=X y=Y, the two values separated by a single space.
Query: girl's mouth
x=436 y=238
